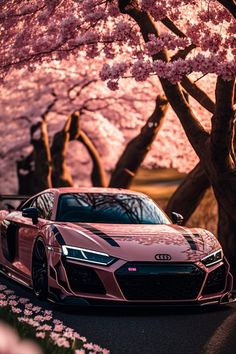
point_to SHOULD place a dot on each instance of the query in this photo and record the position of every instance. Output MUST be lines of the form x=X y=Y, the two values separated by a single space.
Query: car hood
x=137 y=242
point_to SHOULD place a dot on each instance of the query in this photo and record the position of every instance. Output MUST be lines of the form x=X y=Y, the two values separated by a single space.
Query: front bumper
x=192 y=284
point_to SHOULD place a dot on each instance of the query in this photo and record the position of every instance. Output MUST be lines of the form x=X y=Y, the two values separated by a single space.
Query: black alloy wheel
x=40 y=270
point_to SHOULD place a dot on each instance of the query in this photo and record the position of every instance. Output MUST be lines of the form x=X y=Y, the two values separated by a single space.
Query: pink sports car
x=106 y=246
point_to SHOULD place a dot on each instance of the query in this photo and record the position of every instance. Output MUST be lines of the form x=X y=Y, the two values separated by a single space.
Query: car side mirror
x=31 y=213
x=177 y=218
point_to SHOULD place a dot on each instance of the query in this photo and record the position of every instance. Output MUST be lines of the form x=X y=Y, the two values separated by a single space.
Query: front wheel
x=40 y=270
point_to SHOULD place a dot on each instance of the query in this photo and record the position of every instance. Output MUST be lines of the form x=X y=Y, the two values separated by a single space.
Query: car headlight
x=85 y=255
x=212 y=258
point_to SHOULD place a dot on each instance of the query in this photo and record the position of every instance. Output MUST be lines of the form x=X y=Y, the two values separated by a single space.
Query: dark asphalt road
x=149 y=331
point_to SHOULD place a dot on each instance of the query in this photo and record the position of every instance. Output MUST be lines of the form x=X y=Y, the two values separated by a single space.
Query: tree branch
x=81 y=88
x=223 y=125
x=189 y=194
x=182 y=53
x=198 y=94
x=127 y=165
x=98 y=175
x=172 y=27
x=193 y=128
x=61 y=176
x=34 y=171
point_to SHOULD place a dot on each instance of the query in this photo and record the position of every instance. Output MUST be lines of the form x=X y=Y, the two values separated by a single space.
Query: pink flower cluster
x=46 y=328
x=141 y=70
x=165 y=40
x=158 y=10
x=33 y=34
x=113 y=72
x=216 y=15
x=173 y=71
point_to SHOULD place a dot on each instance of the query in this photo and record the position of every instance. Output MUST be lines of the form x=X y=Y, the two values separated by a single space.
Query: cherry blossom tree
x=110 y=120
x=215 y=149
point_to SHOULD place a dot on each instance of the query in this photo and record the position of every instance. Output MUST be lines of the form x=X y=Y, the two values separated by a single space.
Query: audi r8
x=106 y=246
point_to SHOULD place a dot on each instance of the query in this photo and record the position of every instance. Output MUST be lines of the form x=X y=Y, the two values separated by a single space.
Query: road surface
x=149 y=331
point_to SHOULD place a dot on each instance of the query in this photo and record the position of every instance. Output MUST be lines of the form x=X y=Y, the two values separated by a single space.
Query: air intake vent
x=152 y=281
x=215 y=282
x=83 y=279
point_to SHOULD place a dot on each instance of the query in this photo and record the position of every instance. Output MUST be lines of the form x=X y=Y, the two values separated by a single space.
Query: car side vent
x=215 y=281
x=83 y=279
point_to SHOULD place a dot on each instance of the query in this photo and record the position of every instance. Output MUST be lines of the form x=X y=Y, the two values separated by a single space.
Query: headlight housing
x=85 y=255
x=213 y=258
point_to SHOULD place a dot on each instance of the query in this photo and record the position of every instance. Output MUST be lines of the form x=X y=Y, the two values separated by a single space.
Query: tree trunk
x=189 y=194
x=42 y=156
x=98 y=175
x=137 y=149
x=34 y=171
x=25 y=175
x=61 y=176
x=226 y=236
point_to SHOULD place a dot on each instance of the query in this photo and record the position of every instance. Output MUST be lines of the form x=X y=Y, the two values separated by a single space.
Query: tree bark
x=61 y=176
x=137 y=149
x=34 y=171
x=98 y=175
x=198 y=94
x=226 y=236
x=25 y=175
x=189 y=194
x=221 y=166
x=42 y=156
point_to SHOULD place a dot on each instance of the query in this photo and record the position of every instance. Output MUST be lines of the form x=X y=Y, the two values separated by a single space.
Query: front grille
x=83 y=279
x=159 y=281
x=215 y=282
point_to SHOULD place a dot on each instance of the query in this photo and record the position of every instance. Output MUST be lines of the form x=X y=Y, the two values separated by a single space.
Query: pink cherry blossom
x=40 y=334
x=2 y=287
x=44 y=327
x=16 y=310
x=23 y=300
x=58 y=327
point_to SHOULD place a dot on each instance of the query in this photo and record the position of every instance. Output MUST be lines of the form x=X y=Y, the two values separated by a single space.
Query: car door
x=10 y=227
x=28 y=232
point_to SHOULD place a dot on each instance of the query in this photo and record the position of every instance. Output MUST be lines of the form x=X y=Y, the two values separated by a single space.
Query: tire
x=40 y=270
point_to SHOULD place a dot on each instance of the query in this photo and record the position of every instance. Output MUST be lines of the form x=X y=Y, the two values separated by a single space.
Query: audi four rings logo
x=163 y=257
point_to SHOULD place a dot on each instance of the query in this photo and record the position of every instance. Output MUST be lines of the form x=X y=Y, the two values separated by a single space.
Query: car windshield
x=109 y=208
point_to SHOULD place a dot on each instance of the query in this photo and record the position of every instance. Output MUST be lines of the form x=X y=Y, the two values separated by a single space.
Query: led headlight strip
x=84 y=255
x=212 y=258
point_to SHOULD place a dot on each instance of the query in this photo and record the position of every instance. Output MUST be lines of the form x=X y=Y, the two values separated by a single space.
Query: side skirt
x=11 y=275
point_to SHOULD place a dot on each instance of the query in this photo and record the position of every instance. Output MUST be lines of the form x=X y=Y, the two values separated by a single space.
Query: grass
x=159 y=184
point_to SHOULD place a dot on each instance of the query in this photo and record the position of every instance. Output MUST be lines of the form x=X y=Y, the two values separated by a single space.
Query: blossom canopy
x=199 y=36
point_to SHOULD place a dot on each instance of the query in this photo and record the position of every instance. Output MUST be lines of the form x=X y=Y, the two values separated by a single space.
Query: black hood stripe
x=191 y=242
x=101 y=234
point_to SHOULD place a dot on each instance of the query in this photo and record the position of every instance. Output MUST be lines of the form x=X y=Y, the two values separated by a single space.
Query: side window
x=49 y=201
x=39 y=204
x=44 y=203
x=26 y=204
